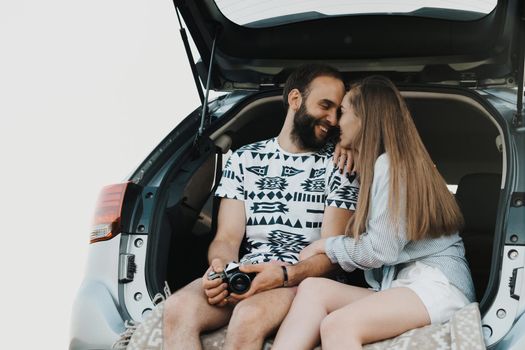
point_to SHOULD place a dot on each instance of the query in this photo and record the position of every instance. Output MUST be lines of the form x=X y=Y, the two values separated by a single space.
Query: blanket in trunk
x=463 y=331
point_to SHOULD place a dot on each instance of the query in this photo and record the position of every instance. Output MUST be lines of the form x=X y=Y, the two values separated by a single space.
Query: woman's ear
x=295 y=99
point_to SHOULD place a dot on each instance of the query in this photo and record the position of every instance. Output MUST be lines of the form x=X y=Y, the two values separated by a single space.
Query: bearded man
x=278 y=196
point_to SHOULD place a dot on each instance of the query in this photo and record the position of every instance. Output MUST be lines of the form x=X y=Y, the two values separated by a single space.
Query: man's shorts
x=439 y=296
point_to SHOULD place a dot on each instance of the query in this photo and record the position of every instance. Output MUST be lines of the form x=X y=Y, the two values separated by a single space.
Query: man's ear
x=295 y=99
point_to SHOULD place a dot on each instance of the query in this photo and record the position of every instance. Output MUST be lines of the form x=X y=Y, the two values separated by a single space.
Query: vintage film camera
x=238 y=282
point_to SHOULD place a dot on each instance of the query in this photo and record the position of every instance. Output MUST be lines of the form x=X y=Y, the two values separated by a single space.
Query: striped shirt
x=384 y=249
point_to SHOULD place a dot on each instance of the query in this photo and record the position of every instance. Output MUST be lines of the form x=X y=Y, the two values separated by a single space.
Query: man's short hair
x=301 y=78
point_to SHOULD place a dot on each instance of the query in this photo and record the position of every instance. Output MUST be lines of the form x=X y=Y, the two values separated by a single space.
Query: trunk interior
x=458 y=131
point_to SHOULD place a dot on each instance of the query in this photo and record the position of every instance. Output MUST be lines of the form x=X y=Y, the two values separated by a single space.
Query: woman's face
x=349 y=123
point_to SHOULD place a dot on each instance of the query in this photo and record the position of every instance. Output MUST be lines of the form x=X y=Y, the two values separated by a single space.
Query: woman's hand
x=314 y=248
x=343 y=158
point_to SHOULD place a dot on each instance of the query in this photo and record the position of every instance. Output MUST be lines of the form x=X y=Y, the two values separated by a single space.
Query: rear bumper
x=96 y=322
x=95 y=319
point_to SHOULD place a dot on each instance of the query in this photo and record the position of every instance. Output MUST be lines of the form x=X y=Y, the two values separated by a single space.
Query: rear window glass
x=257 y=13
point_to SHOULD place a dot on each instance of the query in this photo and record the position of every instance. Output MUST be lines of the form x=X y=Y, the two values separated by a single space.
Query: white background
x=87 y=90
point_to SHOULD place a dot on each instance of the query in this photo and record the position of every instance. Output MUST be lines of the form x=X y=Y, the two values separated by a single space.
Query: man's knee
x=181 y=307
x=247 y=314
x=247 y=325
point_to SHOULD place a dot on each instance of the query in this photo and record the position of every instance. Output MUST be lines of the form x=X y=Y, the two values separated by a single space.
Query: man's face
x=315 y=122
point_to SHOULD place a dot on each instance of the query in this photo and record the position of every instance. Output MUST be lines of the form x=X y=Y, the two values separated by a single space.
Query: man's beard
x=303 y=132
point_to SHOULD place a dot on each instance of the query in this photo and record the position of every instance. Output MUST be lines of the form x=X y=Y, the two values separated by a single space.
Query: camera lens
x=239 y=283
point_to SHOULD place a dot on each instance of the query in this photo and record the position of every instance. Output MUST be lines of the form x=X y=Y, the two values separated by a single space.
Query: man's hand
x=343 y=158
x=269 y=276
x=314 y=248
x=215 y=289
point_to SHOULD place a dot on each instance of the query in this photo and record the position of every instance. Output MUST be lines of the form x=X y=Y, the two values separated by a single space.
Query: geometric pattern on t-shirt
x=290 y=171
x=228 y=174
x=351 y=177
x=258 y=170
x=284 y=197
x=298 y=158
x=239 y=190
x=310 y=224
x=273 y=220
x=282 y=242
x=280 y=245
x=313 y=185
x=348 y=193
x=269 y=207
x=335 y=184
x=254 y=146
x=270 y=195
x=261 y=156
x=314 y=198
x=272 y=183
x=317 y=173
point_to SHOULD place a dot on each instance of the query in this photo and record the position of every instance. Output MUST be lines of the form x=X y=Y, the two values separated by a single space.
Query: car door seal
x=518 y=118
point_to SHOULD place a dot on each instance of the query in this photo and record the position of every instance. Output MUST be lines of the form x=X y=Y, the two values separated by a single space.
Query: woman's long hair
x=387 y=126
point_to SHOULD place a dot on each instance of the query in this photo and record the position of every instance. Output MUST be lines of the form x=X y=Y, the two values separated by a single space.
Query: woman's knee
x=327 y=325
x=311 y=286
x=336 y=326
x=312 y=291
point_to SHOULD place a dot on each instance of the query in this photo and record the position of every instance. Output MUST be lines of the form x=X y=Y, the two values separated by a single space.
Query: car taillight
x=106 y=223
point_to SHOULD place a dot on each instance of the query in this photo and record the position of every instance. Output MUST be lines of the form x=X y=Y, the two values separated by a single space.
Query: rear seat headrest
x=224 y=142
x=478 y=196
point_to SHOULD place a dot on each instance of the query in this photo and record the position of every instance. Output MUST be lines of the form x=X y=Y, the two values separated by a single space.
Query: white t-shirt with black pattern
x=284 y=197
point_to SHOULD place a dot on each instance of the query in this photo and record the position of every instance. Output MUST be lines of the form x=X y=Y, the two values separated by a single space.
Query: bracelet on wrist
x=285 y=276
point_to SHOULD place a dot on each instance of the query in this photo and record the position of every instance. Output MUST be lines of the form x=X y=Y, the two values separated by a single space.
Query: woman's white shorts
x=439 y=296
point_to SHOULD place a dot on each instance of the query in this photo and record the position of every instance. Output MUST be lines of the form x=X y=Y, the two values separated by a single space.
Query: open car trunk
x=458 y=129
x=424 y=46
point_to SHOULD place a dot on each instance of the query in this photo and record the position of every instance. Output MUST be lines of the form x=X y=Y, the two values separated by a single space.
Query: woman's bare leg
x=316 y=298
x=379 y=316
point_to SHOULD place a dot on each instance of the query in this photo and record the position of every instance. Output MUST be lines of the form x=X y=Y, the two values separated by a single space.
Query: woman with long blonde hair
x=404 y=234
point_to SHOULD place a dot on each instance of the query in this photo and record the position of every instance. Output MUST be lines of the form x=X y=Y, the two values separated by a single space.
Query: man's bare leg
x=187 y=314
x=257 y=317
